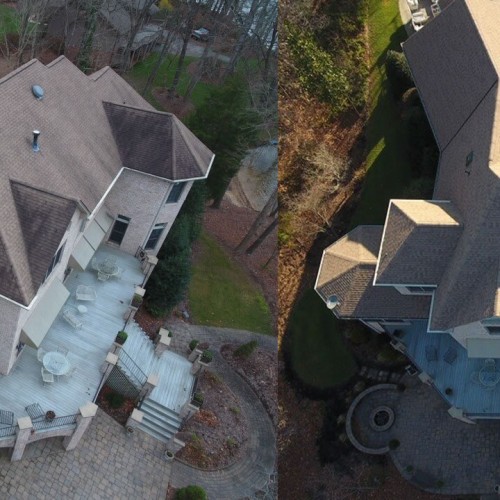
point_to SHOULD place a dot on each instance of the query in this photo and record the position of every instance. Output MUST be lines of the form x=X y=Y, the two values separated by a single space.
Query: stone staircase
x=161 y=409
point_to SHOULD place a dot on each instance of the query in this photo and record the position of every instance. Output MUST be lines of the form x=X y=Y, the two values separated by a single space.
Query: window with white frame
x=155 y=236
x=175 y=192
x=119 y=229
x=55 y=260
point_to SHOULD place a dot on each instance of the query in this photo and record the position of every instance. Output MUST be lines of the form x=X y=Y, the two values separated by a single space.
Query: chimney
x=36 y=147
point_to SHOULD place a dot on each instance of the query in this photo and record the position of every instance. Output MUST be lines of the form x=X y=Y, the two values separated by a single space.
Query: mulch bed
x=216 y=435
x=260 y=370
x=120 y=414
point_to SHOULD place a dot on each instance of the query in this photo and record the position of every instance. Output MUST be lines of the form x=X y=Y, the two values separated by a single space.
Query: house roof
x=77 y=162
x=145 y=139
x=418 y=242
x=346 y=272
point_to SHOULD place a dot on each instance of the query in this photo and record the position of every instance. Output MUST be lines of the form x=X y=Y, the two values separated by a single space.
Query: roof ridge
x=181 y=131
x=57 y=60
x=137 y=108
x=18 y=70
x=45 y=191
x=97 y=74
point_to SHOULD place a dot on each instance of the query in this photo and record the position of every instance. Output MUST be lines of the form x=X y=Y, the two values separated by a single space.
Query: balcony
x=87 y=346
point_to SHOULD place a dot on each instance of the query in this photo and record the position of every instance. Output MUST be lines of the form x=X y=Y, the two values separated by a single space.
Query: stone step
x=160 y=412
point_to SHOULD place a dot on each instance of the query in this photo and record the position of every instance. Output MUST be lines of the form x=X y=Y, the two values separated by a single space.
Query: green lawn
x=221 y=294
x=138 y=76
x=387 y=167
x=318 y=355
x=8 y=20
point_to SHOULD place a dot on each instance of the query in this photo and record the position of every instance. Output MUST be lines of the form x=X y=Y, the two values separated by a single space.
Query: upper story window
x=55 y=260
x=154 y=236
x=119 y=229
x=468 y=162
x=175 y=192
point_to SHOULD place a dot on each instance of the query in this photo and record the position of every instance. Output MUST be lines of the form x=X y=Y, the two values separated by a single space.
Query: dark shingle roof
x=157 y=143
x=44 y=218
x=347 y=271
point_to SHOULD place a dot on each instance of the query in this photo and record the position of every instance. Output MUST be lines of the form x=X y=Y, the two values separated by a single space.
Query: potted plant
x=448 y=391
x=193 y=344
x=198 y=399
x=121 y=337
x=50 y=415
x=207 y=356
x=394 y=444
x=137 y=300
x=169 y=455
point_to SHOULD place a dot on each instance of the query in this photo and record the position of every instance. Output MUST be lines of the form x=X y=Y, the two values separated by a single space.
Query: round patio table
x=489 y=378
x=56 y=363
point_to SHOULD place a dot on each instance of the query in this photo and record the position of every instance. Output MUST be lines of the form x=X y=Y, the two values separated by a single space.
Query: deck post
x=188 y=410
x=23 y=435
x=134 y=420
x=87 y=413
x=163 y=342
x=174 y=445
x=195 y=353
x=148 y=387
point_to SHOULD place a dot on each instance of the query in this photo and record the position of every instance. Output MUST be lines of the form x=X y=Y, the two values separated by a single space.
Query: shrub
x=410 y=99
x=388 y=354
x=193 y=344
x=121 y=337
x=245 y=350
x=409 y=468
x=448 y=391
x=191 y=492
x=114 y=399
x=207 y=356
x=394 y=444
x=198 y=398
x=357 y=333
x=398 y=73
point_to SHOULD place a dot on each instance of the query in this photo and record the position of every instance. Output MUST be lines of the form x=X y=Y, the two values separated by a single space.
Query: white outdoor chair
x=84 y=292
x=62 y=350
x=102 y=276
x=40 y=353
x=47 y=377
x=70 y=372
x=71 y=317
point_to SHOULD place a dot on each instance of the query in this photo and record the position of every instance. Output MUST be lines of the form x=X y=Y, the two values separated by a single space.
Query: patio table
x=109 y=269
x=489 y=378
x=56 y=363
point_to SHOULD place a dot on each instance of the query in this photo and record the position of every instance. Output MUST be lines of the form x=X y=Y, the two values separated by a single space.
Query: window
x=493 y=330
x=175 y=192
x=155 y=236
x=468 y=161
x=55 y=260
x=119 y=229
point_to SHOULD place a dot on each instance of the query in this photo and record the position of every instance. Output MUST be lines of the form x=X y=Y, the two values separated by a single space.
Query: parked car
x=201 y=34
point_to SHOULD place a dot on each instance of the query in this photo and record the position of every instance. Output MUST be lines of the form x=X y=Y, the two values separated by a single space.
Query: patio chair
x=6 y=417
x=70 y=372
x=40 y=353
x=85 y=293
x=35 y=411
x=62 y=350
x=431 y=353
x=47 y=377
x=490 y=363
x=71 y=317
x=450 y=355
x=102 y=276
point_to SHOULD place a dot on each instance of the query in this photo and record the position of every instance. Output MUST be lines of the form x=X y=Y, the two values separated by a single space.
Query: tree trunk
x=185 y=40
x=158 y=63
x=262 y=237
x=258 y=222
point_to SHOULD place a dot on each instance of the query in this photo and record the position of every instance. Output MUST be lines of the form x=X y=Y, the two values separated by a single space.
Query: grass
x=8 y=20
x=221 y=294
x=138 y=76
x=318 y=355
x=387 y=167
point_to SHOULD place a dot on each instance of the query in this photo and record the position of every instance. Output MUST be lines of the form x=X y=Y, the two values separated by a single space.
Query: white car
x=201 y=34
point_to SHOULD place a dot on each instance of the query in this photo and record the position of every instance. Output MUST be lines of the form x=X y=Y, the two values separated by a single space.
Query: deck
x=475 y=399
x=87 y=346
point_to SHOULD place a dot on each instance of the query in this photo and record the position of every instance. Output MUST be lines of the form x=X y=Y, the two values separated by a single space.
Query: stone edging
x=348 y=426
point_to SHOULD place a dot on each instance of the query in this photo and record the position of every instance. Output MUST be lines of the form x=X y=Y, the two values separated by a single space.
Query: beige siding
x=142 y=198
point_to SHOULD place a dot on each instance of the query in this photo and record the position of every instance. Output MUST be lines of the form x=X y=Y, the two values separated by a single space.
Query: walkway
x=254 y=476
x=437 y=452
x=106 y=464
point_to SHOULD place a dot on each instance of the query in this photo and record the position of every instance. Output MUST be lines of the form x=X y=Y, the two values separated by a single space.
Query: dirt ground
x=216 y=435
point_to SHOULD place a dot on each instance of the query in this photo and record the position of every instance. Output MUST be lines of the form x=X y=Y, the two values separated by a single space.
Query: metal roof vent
x=38 y=92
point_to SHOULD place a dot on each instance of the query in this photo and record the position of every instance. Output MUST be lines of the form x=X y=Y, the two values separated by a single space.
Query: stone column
x=198 y=367
x=134 y=420
x=195 y=353
x=151 y=383
x=22 y=438
x=188 y=410
x=109 y=364
x=148 y=264
x=163 y=342
x=174 y=445
x=87 y=413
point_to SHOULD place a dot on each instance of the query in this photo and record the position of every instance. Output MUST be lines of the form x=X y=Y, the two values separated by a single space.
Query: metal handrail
x=132 y=367
x=8 y=431
x=64 y=421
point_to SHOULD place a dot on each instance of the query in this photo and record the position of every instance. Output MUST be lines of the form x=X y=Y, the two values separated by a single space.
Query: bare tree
x=31 y=18
x=84 y=55
x=268 y=210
